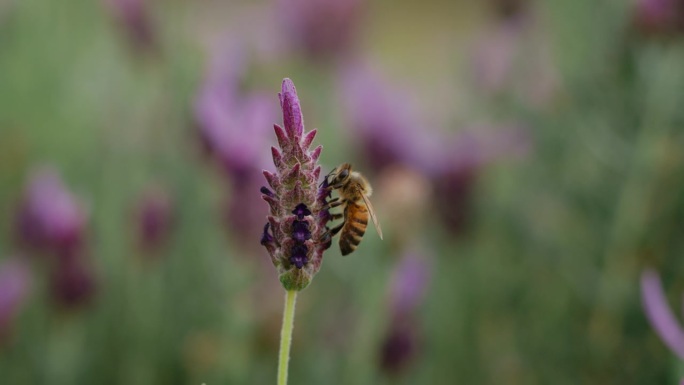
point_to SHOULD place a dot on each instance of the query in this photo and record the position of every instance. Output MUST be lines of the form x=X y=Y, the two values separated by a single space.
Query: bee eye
x=344 y=174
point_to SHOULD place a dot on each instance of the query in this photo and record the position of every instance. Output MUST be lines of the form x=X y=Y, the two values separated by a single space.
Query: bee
x=354 y=190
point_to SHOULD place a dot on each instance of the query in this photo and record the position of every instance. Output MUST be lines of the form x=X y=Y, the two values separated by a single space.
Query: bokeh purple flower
x=461 y=159
x=135 y=21
x=454 y=190
x=295 y=234
x=408 y=288
x=15 y=284
x=409 y=283
x=224 y=111
x=512 y=58
x=399 y=347
x=509 y=9
x=381 y=118
x=390 y=135
x=73 y=281
x=659 y=17
x=154 y=218
x=494 y=56
x=50 y=217
x=323 y=29
x=52 y=221
x=218 y=94
x=233 y=124
x=659 y=313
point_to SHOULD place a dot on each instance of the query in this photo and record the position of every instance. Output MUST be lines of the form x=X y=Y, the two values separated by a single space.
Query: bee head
x=340 y=174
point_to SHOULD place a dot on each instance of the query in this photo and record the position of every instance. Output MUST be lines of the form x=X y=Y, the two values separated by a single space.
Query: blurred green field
x=539 y=284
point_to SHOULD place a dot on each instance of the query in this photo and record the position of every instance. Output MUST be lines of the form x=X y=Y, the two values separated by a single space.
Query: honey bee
x=354 y=190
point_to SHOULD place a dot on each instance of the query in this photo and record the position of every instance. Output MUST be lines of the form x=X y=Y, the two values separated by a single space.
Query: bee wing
x=366 y=200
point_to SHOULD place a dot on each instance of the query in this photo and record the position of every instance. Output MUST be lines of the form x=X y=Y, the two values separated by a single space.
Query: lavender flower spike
x=295 y=232
x=659 y=313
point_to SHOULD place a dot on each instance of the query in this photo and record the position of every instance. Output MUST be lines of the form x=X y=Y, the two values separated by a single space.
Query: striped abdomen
x=355 y=223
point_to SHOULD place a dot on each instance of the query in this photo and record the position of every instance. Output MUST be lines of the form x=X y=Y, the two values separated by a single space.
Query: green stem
x=286 y=336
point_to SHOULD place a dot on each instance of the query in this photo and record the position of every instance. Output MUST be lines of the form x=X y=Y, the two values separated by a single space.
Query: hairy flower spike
x=295 y=234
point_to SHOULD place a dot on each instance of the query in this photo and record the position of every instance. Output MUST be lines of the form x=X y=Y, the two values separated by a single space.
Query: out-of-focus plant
x=551 y=242
x=5 y=8
x=407 y=290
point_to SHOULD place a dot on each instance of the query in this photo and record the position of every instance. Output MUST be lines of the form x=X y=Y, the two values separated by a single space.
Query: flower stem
x=286 y=335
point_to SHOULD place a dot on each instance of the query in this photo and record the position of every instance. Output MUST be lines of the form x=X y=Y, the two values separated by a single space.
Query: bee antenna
x=325 y=180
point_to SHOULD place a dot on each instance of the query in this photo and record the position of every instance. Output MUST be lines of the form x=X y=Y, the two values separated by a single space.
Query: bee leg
x=326 y=240
x=336 y=229
x=333 y=203
x=332 y=232
x=336 y=216
x=334 y=186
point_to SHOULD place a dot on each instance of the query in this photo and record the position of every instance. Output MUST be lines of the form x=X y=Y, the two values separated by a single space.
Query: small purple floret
x=300 y=231
x=300 y=211
x=266 y=191
x=298 y=261
x=266 y=237
x=298 y=257
x=299 y=250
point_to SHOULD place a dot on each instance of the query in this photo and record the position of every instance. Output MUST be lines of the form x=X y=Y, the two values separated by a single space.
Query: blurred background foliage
x=526 y=157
